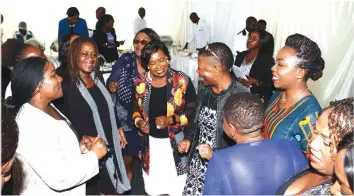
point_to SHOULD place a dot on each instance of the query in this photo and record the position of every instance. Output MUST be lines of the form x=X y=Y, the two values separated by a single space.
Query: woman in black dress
x=256 y=63
x=89 y=107
x=106 y=39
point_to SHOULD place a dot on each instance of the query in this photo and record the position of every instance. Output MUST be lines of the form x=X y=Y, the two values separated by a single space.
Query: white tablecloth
x=187 y=65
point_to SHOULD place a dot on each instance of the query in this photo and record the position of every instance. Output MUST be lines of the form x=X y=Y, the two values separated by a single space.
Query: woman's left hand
x=162 y=122
x=123 y=140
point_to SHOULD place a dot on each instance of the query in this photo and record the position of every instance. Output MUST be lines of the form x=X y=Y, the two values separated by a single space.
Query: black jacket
x=192 y=131
x=261 y=71
x=110 y=54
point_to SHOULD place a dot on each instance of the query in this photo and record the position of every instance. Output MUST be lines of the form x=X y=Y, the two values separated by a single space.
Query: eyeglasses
x=162 y=60
x=86 y=54
x=142 y=42
x=213 y=53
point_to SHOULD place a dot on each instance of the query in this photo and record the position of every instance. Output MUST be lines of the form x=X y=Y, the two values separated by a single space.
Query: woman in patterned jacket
x=164 y=102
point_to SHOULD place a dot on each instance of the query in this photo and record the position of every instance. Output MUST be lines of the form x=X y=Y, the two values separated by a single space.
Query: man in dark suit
x=100 y=12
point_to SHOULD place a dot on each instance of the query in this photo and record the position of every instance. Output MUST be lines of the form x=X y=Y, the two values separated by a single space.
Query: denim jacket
x=192 y=131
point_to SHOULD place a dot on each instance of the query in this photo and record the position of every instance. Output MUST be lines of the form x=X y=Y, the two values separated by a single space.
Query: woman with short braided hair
x=335 y=122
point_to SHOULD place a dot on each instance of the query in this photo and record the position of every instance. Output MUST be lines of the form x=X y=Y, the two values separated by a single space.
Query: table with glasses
x=187 y=65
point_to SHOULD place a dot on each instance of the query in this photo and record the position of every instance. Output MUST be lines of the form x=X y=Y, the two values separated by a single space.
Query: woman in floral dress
x=164 y=103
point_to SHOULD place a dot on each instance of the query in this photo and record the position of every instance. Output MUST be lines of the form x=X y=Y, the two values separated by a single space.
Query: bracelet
x=174 y=120
x=136 y=121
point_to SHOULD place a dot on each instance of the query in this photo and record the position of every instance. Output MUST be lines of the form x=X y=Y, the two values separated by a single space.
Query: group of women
x=91 y=142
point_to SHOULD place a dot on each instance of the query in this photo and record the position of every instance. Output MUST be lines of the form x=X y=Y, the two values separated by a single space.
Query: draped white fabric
x=329 y=23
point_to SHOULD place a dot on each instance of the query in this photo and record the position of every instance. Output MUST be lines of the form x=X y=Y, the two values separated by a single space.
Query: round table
x=187 y=65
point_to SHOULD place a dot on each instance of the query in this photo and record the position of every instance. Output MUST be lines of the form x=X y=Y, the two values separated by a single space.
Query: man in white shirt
x=242 y=36
x=200 y=32
x=139 y=23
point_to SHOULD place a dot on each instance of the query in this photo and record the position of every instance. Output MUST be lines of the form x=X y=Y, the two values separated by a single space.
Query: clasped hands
x=161 y=123
x=205 y=150
x=95 y=144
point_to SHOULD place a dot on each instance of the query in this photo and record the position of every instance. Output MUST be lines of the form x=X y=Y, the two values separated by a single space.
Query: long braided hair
x=340 y=121
x=74 y=54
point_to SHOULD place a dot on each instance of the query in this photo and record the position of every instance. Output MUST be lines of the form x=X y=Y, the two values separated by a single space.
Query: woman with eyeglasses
x=163 y=103
x=335 y=122
x=90 y=108
x=120 y=82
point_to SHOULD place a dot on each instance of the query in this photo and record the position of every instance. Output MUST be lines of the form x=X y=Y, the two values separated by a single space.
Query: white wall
x=42 y=17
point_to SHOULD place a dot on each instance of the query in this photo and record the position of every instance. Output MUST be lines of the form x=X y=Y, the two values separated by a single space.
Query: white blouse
x=51 y=155
x=246 y=68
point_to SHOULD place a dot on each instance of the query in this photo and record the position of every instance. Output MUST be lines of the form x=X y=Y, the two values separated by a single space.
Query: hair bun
x=317 y=69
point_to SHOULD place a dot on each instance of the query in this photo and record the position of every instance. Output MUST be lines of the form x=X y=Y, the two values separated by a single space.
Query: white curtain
x=329 y=23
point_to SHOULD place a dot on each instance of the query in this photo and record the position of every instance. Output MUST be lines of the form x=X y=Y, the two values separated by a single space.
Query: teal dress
x=295 y=123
